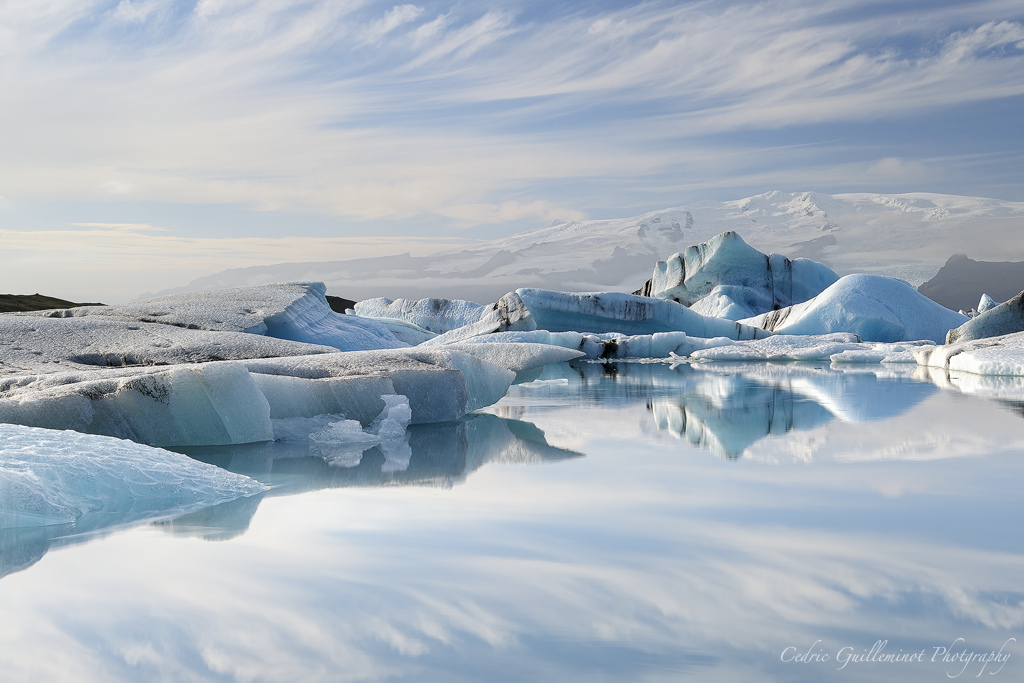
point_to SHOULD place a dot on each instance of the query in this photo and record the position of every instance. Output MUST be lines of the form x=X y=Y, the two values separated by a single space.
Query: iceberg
x=994 y=321
x=50 y=477
x=626 y=314
x=727 y=278
x=986 y=302
x=606 y=345
x=507 y=313
x=41 y=345
x=237 y=401
x=434 y=315
x=876 y=308
x=839 y=347
x=296 y=311
x=1003 y=355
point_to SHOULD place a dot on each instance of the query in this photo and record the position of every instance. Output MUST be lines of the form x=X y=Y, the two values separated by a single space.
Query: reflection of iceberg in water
x=1008 y=390
x=726 y=409
x=443 y=454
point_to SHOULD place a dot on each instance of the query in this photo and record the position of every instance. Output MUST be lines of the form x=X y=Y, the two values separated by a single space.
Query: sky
x=144 y=143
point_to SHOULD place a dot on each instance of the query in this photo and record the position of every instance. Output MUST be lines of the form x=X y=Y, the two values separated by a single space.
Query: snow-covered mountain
x=907 y=235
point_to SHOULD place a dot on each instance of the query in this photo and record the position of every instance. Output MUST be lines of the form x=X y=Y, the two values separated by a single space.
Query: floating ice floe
x=877 y=309
x=626 y=314
x=986 y=303
x=1006 y=318
x=50 y=477
x=296 y=311
x=1003 y=355
x=839 y=347
x=235 y=402
x=727 y=278
x=608 y=345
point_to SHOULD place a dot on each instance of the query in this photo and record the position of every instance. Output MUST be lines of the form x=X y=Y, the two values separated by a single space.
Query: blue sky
x=172 y=139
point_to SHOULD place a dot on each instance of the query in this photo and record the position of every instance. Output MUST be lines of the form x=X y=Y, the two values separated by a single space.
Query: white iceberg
x=509 y=313
x=727 y=278
x=1003 y=355
x=876 y=308
x=236 y=402
x=434 y=315
x=839 y=347
x=626 y=314
x=52 y=477
x=1006 y=318
x=986 y=302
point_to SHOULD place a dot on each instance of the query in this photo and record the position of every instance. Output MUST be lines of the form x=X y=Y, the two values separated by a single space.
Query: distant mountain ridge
x=960 y=283
x=902 y=235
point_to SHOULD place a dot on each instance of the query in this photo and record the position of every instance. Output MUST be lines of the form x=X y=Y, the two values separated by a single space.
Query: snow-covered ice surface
x=993 y=321
x=296 y=311
x=727 y=278
x=50 y=477
x=909 y=236
x=878 y=309
x=42 y=345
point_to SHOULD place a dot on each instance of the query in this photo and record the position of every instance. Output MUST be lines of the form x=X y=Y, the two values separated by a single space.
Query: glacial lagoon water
x=626 y=522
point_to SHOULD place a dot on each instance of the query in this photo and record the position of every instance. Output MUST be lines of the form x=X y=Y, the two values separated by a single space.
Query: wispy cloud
x=366 y=110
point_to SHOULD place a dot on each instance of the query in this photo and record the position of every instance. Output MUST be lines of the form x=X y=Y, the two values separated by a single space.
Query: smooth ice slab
x=878 y=309
x=626 y=314
x=50 y=477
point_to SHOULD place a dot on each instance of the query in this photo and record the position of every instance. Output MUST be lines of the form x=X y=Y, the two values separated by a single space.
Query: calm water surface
x=630 y=522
